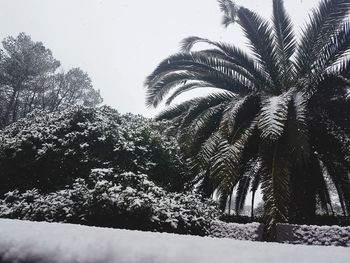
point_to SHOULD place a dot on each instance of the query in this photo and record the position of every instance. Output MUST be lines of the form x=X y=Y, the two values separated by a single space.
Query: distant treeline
x=30 y=78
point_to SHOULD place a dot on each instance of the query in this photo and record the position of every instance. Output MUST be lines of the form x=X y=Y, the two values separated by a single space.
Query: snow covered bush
x=122 y=200
x=49 y=151
x=251 y=231
x=313 y=235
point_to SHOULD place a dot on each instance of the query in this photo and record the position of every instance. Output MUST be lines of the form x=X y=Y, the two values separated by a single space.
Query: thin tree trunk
x=229 y=204
x=330 y=204
x=14 y=108
x=252 y=208
x=9 y=107
x=30 y=106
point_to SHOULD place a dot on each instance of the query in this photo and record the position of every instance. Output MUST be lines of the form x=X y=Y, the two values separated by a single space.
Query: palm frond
x=204 y=103
x=206 y=117
x=229 y=9
x=338 y=110
x=318 y=179
x=226 y=162
x=341 y=182
x=242 y=191
x=261 y=41
x=202 y=160
x=224 y=166
x=233 y=55
x=340 y=136
x=323 y=22
x=297 y=131
x=335 y=158
x=183 y=67
x=249 y=178
x=174 y=111
x=200 y=129
x=187 y=87
x=237 y=112
x=256 y=170
x=256 y=181
x=275 y=187
x=273 y=116
x=343 y=68
x=337 y=47
x=284 y=38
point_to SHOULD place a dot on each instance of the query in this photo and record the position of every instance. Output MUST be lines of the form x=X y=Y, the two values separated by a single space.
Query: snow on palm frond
x=227 y=160
x=273 y=116
x=200 y=128
x=224 y=162
x=229 y=117
x=284 y=37
x=238 y=116
x=300 y=108
x=208 y=150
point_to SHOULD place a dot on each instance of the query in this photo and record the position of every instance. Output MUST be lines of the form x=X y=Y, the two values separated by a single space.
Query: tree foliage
x=279 y=117
x=29 y=80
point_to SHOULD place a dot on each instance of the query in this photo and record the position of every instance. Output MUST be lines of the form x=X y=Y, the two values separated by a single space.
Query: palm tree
x=279 y=116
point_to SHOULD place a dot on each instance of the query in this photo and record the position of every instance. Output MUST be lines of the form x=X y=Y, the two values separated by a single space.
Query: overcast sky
x=119 y=42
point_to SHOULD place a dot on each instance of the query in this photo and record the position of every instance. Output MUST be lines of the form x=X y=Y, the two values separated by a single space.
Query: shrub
x=106 y=198
x=250 y=231
x=49 y=151
x=313 y=235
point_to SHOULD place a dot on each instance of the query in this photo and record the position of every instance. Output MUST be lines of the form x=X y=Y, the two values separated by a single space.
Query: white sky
x=119 y=42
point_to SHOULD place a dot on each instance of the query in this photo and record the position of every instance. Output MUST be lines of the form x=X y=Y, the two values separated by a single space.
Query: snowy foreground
x=24 y=241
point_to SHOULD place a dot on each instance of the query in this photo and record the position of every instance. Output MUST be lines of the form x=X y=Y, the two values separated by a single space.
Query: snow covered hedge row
x=126 y=200
x=251 y=231
x=48 y=151
x=313 y=235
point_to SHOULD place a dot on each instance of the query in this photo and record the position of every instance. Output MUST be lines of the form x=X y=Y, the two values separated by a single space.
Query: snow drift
x=24 y=241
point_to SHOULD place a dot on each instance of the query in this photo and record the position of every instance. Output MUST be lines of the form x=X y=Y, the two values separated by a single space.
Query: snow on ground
x=24 y=241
